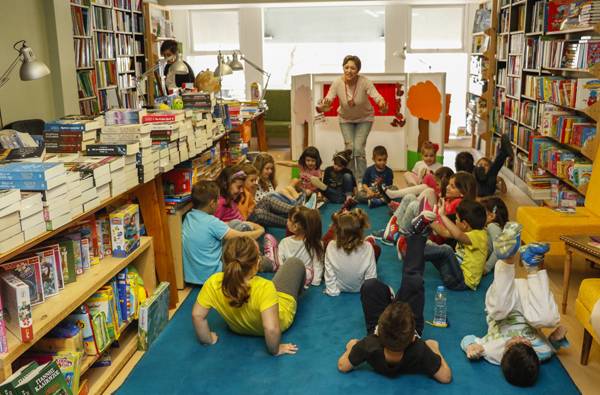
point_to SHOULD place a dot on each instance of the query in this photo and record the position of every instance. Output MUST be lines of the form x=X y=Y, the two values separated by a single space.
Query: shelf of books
x=481 y=85
x=159 y=27
x=69 y=242
x=109 y=53
x=548 y=55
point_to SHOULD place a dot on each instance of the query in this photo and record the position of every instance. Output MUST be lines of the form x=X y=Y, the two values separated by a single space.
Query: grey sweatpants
x=289 y=279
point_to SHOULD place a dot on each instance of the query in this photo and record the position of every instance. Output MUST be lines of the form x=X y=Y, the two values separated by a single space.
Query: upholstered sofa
x=589 y=293
x=278 y=117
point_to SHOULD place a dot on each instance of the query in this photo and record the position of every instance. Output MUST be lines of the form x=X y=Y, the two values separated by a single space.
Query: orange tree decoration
x=424 y=102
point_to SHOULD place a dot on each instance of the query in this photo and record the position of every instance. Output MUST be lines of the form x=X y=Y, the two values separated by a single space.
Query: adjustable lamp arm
x=254 y=65
x=5 y=76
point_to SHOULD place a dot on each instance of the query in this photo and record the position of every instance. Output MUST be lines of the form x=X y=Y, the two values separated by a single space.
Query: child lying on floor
x=516 y=309
x=393 y=345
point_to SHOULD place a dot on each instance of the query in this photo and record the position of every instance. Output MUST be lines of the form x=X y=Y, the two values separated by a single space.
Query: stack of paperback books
x=123 y=116
x=32 y=215
x=11 y=233
x=65 y=136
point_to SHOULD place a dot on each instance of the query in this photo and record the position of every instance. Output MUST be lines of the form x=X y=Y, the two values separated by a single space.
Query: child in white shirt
x=427 y=165
x=516 y=310
x=349 y=259
x=305 y=244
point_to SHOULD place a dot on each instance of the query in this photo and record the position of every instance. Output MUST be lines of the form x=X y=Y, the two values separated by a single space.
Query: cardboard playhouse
x=416 y=113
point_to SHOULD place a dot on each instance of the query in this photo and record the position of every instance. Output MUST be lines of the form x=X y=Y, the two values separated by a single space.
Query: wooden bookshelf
x=158 y=28
x=48 y=314
x=518 y=111
x=114 y=28
x=481 y=84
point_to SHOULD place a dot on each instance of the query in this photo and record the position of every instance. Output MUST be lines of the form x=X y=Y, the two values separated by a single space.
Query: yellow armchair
x=589 y=294
x=543 y=224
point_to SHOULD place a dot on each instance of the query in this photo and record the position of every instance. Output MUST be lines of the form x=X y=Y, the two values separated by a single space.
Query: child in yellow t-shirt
x=250 y=305
x=461 y=269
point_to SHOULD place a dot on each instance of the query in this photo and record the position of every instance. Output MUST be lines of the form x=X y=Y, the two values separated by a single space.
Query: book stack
x=540 y=186
x=70 y=136
x=199 y=101
x=11 y=234
x=123 y=116
x=17 y=305
x=147 y=164
x=131 y=171
x=31 y=213
x=589 y=13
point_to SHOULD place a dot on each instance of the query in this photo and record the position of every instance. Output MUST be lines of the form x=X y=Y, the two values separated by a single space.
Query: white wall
x=396 y=36
x=251 y=39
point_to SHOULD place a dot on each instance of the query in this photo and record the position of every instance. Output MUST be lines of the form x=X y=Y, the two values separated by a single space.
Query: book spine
x=106 y=150
x=66 y=135
x=34 y=185
x=25 y=319
x=22 y=176
x=60 y=127
x=3 y=341
x=158 y=118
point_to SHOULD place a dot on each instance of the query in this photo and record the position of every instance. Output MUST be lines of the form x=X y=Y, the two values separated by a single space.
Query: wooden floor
x=587 y=378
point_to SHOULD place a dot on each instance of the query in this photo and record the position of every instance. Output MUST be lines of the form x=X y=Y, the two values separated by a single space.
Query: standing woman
x=355 y=111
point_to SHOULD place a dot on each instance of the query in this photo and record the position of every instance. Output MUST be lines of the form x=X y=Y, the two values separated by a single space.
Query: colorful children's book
x=85 y=253
x=99 y=325
x=103 y=230
x=17 y=307
x=3 y=339
x=9 y=386
x=588 y=90
x=44 y=380
x=67 y=260
x=49 y=273
x=89 y=230
x=123 y=292
x=103 y=302
x=125 y=230
x=83 y=319
x=75 y=237
x=29 y=271
x=154 y=315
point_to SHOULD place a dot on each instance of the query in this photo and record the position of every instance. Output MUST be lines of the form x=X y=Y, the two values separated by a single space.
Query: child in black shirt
x=338 y=183
x=486 y=171
x=394 y=324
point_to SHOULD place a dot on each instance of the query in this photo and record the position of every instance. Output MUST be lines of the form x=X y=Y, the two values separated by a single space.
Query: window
x=437 y=28
x=213 y=31
x=311 y=40
x=454 y=65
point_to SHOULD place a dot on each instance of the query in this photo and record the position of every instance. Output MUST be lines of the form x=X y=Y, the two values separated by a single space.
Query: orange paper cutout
x=425 y=101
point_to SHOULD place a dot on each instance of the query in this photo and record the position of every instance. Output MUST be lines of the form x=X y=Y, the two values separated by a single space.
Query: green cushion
x=278 y=101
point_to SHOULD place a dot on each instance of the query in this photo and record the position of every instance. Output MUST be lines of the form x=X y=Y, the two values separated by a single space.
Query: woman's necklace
x=350 y=99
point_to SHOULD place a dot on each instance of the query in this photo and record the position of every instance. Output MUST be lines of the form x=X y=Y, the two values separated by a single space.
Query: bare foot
x=558 y=334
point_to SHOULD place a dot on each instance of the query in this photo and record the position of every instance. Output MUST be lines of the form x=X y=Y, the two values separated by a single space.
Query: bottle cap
x=440 y=288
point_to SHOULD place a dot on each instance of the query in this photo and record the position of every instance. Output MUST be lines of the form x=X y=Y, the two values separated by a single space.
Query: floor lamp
x=31 y=68
x=235 y=64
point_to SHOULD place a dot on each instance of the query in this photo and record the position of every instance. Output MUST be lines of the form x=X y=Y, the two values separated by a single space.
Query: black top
x=418 y=358
x=181 y=79
x=333 y=179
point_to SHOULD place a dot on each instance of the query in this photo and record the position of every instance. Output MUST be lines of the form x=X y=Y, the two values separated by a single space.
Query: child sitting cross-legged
x=377 y=176
x=393 y=345
x=497 y=218
x=305 y=243
x=516 y=310
x=338 y=184
x=249 y=304
x=349 y=258
x=461 y=269
x=202 y=234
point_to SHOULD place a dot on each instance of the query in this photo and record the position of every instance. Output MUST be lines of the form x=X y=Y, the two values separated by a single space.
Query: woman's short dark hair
x=170 y=45
x=353 y=58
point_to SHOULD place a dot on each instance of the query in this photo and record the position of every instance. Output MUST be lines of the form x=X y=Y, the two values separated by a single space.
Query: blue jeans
x=355 y=138
x=445 y=261
x=338 y=195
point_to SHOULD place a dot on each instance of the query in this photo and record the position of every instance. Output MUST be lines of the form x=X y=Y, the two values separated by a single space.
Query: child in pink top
x=310 y=166
x=231 y=184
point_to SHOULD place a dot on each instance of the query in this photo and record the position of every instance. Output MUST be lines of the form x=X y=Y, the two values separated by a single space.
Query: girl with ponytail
x=249 y=304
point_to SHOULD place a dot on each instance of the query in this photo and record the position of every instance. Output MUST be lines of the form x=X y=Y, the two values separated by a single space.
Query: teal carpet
x=178 y=364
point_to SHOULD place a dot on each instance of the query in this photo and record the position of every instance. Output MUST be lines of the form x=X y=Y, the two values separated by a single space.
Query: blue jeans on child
x=446 y=262
x=355 y=138
x=338 y=195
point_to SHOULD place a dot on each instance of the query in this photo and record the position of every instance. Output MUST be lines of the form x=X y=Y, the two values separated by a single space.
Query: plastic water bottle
x=440 y=308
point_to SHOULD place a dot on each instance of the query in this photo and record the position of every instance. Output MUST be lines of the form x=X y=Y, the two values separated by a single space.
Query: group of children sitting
x=448 y=218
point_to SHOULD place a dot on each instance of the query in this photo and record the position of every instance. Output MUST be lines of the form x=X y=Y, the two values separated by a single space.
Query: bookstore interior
x=120 y=119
